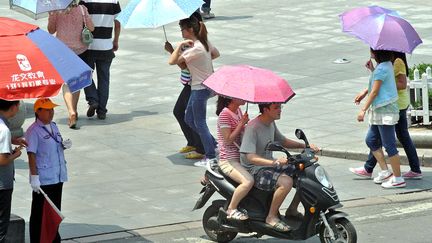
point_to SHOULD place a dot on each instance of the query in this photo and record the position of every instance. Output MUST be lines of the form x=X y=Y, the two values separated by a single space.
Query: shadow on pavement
x=222 y=18
x=178 y=159
x=112 y=118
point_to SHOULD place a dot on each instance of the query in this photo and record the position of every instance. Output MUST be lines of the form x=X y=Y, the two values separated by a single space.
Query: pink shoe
x=360 y=171
x=412 y=175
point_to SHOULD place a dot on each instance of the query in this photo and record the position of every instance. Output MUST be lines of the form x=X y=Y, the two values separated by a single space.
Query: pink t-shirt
x=228 y=119
x=199 y=63
x=69 y=26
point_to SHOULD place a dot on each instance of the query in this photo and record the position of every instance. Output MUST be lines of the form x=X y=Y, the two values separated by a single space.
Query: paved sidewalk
x=125 y=172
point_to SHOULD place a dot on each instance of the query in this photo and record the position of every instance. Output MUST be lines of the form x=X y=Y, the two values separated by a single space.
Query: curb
x=153 y=230
x=425 y=159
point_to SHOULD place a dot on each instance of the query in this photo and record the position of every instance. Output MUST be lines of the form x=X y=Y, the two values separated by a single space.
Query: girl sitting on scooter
x=230 y=126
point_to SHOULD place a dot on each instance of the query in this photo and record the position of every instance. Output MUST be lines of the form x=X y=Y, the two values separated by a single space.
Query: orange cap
x=43 y=103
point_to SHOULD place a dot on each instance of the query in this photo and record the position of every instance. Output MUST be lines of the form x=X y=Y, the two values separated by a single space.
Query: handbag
x=86 y=34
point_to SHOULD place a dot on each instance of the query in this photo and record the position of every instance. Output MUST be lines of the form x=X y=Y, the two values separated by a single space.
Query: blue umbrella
x=156 y=13
x=38 y=8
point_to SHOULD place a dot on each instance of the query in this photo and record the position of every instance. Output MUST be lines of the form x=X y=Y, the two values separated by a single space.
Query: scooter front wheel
x=211 y=213
x=344 y=232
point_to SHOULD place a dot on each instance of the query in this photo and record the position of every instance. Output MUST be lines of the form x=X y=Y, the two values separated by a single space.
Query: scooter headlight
x=323 y=177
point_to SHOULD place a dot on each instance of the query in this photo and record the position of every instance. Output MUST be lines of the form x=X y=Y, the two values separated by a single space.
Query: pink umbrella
x=381 y=30
x=251 y=84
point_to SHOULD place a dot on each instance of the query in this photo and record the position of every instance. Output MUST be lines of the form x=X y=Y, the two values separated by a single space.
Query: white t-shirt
x=6 y=171
x=199 y=63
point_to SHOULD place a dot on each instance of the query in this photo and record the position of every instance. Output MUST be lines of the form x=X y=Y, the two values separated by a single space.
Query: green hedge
x=421 y=67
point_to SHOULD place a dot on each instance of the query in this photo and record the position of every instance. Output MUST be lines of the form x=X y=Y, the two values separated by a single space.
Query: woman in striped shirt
x=230 y=126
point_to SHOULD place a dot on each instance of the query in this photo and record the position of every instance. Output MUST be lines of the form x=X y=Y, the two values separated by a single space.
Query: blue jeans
x=405 y=139
x=382 y=136
x=195 y=118
x=100 y=94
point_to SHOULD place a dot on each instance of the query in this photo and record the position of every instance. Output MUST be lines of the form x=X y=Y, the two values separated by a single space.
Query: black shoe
x=101 y=116
x=92 y=110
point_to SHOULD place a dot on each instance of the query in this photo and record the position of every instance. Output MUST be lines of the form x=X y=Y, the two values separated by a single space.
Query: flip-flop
x=280 y=226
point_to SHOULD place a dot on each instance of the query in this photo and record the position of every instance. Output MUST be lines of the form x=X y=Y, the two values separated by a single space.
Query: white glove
x=35 y=183
x=67 y=143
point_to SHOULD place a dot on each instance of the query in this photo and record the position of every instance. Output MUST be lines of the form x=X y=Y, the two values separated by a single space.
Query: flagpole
x=51 y=203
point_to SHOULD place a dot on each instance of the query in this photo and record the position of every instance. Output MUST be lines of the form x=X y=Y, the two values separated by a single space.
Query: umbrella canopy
x=381 y=29
x=155 y=13
x=251 y=84
x=351 y=17
x=36 y=64
x=36 y=8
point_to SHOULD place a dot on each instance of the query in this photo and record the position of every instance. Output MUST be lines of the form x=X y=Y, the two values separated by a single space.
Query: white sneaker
x=201 y=163
x=394 y=182
x=383 y=176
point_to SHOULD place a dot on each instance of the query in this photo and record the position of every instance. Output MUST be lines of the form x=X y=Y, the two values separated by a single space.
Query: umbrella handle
x=163 y=26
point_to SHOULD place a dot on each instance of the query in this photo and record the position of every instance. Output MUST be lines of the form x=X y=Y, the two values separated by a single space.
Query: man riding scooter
x=270 y=174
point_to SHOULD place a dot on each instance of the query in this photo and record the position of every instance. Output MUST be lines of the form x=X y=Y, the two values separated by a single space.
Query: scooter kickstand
x=324 y=219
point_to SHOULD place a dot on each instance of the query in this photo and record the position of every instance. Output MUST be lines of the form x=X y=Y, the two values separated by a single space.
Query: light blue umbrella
x=38 y=8
x=156 y=13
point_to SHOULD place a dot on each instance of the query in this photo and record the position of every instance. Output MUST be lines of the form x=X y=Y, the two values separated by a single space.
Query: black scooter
x=316 y=191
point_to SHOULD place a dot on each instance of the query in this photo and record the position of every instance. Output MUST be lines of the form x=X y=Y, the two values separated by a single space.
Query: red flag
x=51 y=219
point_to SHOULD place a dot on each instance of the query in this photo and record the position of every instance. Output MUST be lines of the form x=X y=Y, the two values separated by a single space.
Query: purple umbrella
x=349 y=18
x=382 y=29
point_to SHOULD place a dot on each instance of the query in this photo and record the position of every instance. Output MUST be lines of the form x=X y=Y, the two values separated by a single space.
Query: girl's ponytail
x=202 y=35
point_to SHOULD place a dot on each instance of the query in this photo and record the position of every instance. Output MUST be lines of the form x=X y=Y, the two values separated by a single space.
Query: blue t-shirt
x=388 y=91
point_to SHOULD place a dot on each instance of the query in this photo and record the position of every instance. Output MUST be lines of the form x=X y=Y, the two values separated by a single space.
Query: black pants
x=5 y=210
x=193 y=139
x=54 y=192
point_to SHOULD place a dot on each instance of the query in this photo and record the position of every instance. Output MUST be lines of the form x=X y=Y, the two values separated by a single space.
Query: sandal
x=237 y=215
x=72 y=121
x=279 y=226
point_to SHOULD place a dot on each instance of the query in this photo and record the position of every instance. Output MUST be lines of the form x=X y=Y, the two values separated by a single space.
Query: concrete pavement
x=125 y=173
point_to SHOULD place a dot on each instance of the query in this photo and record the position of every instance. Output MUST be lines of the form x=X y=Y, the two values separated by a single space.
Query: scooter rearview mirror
x=300 y=135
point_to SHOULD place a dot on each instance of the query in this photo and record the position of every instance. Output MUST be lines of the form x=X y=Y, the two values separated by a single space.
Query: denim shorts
x=266 y=178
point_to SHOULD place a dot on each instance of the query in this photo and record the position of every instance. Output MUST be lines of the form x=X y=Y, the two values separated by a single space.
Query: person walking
x=401 y=72
x=47 y=163
x=383 y=115
x=68 y=25
x=8 y=109
x=230 y=127
x=198 y=56
x=101 y=52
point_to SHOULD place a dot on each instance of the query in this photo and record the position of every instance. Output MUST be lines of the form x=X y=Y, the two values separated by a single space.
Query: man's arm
x=32 y=163
x=288 y=143
x=260 y=161
x=117 y=29
x=5 y=159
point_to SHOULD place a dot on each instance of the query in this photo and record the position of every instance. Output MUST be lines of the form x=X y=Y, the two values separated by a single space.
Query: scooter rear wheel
x=344 y=232
x=216 y=235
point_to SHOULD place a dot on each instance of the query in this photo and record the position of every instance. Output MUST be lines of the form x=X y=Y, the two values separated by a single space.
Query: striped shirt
x=228 y=119
x=103 y=13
